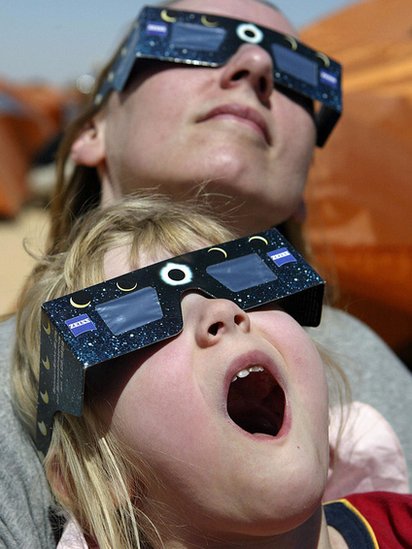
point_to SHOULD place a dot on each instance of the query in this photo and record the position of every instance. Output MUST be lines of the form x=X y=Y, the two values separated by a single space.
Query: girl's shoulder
x=73 y=537
x=373 y=519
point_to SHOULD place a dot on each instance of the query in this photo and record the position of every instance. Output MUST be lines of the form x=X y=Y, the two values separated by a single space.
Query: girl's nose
x=212 y=319
x=252 y=65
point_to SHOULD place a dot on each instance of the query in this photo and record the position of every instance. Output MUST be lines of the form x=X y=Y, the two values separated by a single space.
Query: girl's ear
x=89 y=147
x=56 y=478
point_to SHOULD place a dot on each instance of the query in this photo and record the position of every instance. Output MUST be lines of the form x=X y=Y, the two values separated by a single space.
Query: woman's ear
x=89 y=147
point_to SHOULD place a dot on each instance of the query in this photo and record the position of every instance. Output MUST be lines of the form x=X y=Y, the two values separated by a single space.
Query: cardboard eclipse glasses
x=143 y=307
x=210 y=41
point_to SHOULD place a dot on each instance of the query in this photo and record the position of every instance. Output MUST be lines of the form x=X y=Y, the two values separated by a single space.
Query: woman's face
x=177 y=128
x=232 y=416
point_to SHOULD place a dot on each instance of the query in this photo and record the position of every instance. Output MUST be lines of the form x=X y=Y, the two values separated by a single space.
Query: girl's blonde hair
x=91 y=476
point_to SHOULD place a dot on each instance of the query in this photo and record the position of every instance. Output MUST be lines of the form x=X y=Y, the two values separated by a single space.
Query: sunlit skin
x=218 y=483
x=176 y=128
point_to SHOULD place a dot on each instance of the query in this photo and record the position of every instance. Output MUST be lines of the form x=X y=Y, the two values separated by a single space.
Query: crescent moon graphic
x=324 y=58
x=79 y=305
x=42 y=428
x=122 y=289
x=166 y=17
x=205 y=21
x=218 y=250
x=45 y=397
x=47 y=328
x=257 y=237
x=46 y=363
x=292 y=41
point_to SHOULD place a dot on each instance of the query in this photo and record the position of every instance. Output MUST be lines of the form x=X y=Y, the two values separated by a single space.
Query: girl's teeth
x=255 y=369
x=246 y=372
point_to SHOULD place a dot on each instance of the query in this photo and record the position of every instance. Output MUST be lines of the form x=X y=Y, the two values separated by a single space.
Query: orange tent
x=360 y=190
x=30 y=115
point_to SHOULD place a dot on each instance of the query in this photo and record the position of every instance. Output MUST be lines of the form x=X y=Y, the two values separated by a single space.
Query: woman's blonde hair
x=91 y=476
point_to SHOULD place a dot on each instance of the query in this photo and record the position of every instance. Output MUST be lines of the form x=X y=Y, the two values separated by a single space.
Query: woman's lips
x=245 y=115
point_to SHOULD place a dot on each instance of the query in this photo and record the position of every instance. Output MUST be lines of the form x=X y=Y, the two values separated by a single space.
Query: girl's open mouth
x=256 y=402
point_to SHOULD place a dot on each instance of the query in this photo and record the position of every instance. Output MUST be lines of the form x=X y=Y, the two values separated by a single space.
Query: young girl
x=216 y=436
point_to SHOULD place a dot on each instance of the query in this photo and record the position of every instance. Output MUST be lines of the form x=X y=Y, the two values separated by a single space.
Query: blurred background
x=359 y=196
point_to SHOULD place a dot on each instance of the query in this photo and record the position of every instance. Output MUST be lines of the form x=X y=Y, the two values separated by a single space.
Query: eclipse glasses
x=143 y=307
x=206 y=40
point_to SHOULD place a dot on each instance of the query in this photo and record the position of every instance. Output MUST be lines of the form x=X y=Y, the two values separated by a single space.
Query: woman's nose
x=252 y=65
x=213 y=319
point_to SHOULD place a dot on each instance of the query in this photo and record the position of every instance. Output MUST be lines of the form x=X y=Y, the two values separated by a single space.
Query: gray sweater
x=377 y=377
x=25 y=498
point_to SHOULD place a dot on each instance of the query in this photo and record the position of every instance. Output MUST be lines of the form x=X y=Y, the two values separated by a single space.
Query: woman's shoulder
x=351 y=339
x=335 y=321
x=25 y=500
x=7 y=329
x=375 y=374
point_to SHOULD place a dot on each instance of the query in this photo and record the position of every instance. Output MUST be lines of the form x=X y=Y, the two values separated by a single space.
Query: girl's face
x=176 y=127
x=232 y=416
